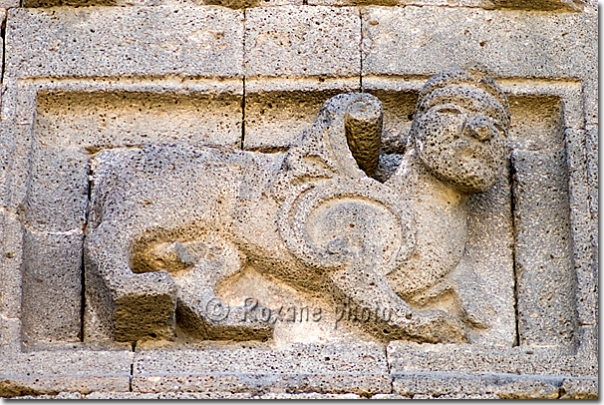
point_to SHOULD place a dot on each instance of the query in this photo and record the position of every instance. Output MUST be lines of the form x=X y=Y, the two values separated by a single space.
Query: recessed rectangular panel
x=119 y=118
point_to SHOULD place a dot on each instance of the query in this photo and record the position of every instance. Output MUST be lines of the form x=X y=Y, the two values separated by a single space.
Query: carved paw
x=437 y=327
x=144 y=306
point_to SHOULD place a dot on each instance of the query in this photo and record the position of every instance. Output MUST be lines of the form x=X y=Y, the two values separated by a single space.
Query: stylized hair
x=455 y=77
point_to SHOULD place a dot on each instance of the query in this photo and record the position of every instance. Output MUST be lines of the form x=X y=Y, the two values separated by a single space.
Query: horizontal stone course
x=426 y=40
x=144 y=41
x=301 y=41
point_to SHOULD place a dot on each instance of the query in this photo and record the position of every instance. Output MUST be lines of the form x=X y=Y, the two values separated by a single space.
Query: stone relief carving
x=170 y=223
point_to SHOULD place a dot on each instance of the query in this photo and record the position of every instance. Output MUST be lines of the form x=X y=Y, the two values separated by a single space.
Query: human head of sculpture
x=459 y=128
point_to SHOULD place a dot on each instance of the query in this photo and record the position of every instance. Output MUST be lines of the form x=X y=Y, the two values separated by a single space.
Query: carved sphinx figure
x=455 y=149
x=169 y=223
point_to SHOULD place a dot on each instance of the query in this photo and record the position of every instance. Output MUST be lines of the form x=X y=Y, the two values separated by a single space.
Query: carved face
x=458 y=133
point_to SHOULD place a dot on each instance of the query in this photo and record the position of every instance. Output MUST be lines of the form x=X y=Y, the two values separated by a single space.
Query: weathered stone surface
x=277 y=112
x=11 y=256
x=582 y=225
x=143 y=41
x=448 y=385
x=116 y=115
x=544 y=5
x=10 y=335
x=406 y=357
x=299 y=41
x=52 y=286
x=591 y=150
x=60 y=395
x=235 y=4
x=57 y=192
x=354 y=368
x=51 y=372
x=580 y=388
x=425 y=40
x=147 y=271
x=544 y=268
x=296 y=221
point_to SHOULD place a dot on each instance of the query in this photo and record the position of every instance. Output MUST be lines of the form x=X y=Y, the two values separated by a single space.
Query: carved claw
x=437 y=327
x=214 y=320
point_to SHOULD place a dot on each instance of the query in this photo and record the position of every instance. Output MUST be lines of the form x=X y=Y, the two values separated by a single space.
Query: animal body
x=170 y=222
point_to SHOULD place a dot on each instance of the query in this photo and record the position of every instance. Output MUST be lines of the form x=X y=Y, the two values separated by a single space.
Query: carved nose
x=480 y=128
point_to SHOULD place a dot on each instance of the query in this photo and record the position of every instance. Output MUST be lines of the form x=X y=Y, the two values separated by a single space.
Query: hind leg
x=120 y=304
x=199 y=312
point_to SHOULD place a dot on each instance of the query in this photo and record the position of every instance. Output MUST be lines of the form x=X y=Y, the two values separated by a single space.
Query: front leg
x=364 y=288
x=474 y=302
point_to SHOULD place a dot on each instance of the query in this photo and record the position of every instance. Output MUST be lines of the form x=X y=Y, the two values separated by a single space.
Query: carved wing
x=332 y=212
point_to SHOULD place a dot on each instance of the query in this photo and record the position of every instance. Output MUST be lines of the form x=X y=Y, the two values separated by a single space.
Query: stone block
x=277 y=112
x=455 y=385
x=302 y=41
x=543 y=252
x=421 y=3
x=131 y=41
x=344 y=367
x=57 y=192
x=234 y=4
x=17 y=166
x=542 y=5
x=52 y=372
x=52 y=286
x=405 y=357
x=11 y=256
x=306 y=396
x=424 y=40
x=60 y=395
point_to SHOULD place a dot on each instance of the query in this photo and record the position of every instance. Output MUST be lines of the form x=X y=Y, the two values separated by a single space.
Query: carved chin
x=467 y=178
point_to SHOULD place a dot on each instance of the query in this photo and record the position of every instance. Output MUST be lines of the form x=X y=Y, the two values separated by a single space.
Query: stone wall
x=85 y=82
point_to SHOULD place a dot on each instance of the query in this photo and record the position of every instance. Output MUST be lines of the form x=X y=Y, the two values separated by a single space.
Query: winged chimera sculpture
x=171 y=222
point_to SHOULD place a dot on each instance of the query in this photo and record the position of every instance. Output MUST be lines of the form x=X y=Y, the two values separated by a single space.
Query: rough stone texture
x=57 y=192
x=546 y=284
x=121 y=117
x=582 y=224
x=147 y=271
x=143 y=41
x=172 y=71
x=10 y=335
x=277 y=112
x=60 y=395
x=544 y=5
x=298 y=41
x=406 y=357
x=579 y=388
x=52 y=286
x=11 y=255
x=51 y=372
x=337 y=368
x=451 y=385
x=234 y=4
x=425 y=40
